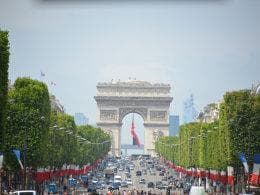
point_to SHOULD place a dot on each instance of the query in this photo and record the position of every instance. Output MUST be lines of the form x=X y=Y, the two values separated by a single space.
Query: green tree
x=62 y=148
x=28 y=113
x=4 y=64
x=97 y=143
x=242 y=114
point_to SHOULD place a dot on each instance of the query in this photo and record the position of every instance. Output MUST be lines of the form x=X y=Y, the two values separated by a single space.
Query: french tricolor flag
x=243 y=160
x=254 y=180
x=135 y=138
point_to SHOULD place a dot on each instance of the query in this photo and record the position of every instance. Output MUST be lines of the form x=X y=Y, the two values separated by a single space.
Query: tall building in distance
x=80 y=119
x=189 y=111
x=174 y=121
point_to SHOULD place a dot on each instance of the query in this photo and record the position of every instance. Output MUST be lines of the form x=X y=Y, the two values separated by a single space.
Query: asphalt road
x=137 y=186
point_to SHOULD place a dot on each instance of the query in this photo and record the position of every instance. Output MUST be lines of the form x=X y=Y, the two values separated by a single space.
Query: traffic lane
x=148 y=177
x=136 y=179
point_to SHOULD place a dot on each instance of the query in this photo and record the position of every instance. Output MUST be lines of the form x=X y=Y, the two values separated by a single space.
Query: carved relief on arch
x=124 y=111
x=158 y=115
x=108 y=115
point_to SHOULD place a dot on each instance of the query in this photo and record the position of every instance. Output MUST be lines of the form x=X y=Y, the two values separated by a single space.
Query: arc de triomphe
x=117 y=99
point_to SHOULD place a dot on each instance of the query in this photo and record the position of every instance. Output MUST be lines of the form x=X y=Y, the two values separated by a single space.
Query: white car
x=197 y=190
x=24 y=192
x=129 y=182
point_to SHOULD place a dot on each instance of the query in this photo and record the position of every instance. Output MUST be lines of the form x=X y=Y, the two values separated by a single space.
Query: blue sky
x=198 y=47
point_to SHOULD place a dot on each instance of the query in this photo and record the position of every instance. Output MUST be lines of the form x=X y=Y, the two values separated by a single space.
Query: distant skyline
x=197 y=47
x=80 y=119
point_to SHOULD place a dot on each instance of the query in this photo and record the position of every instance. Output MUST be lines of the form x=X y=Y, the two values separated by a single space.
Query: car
x=124 y=184
x=117 y=179
x=158 y=184
x=150 y=185
x=164 y=185
x=24 y=192
x=94 y=180
x=92 y=188
x=164 y=179
x=111 y=181
x=161 y=173
x=100 y=185
x=142 y=181
x=99 y=175
x=129 y=181
x=138 y=173
x=197 y=190
x=114 y=186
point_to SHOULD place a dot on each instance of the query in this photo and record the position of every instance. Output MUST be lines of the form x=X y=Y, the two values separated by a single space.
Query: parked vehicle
x=194 y=190
x=138 y=173
x=24 y=192
x=94 y=180
x=142 y=181
x=161 y=173
x=114 y=186
x=129 y=181
x=109 y=173
x=150 y=185
x=117 y=179
x=92 y=188
x=124 y=184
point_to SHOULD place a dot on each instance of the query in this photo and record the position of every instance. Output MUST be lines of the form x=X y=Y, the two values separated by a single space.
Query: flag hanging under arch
x=135 y=138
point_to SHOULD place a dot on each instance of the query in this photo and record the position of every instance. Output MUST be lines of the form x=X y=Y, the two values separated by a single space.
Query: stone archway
x=151 y=101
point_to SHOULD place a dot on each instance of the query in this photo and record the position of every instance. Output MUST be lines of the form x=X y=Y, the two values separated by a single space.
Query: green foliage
x=92 y=149
x=46 y=138
x=4 y=64
x=28 y=111
x=242 y=113
x=60 y=148
x=69 y=144
x=217 y=145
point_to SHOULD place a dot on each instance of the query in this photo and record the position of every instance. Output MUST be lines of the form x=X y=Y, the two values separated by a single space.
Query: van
x=24 y=192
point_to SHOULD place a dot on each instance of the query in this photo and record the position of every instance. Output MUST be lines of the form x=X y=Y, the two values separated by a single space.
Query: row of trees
x=216 y=145
x=4 y=64
x=45 y=137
